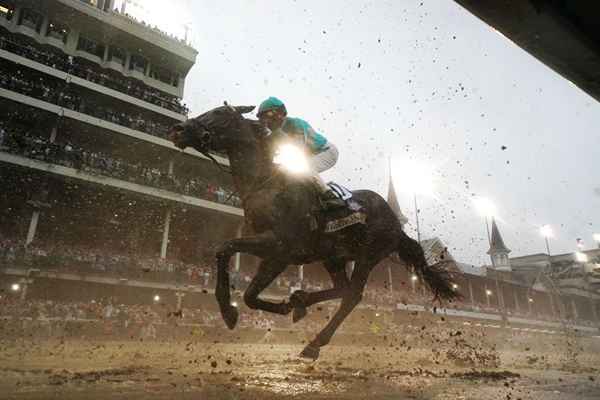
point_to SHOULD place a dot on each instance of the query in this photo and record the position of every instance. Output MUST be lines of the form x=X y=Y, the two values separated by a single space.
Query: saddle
x=335 y=220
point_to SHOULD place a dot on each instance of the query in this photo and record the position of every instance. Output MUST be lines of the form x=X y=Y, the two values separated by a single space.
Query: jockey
x=273 y=114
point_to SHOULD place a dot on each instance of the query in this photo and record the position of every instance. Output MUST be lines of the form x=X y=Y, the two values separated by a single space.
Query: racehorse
x=279 y=208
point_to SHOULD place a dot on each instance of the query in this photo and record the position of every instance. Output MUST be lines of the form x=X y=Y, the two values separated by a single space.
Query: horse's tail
x=436 y=277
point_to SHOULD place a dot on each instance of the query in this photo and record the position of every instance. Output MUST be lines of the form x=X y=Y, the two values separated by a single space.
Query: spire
x=392 y=200
x=497 y=244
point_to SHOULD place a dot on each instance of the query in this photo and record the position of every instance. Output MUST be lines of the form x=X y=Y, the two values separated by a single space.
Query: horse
x=278 y=207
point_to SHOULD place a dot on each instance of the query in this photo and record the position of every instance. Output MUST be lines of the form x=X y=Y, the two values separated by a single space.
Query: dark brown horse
x=279 y=208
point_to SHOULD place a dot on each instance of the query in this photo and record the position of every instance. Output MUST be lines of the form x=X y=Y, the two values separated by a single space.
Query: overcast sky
x=423 y=81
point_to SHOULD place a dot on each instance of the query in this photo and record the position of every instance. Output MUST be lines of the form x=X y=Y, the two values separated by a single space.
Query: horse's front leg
x=267 y=272
x=264 y=245
x=301 y=300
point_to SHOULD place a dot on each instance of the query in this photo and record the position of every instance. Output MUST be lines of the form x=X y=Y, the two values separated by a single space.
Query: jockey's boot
x=329 y=200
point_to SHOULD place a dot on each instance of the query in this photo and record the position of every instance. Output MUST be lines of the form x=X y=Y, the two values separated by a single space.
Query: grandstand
x=97 y=205
x=89 y=178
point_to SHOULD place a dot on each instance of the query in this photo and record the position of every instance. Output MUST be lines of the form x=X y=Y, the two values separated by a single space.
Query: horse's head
x=217 y=130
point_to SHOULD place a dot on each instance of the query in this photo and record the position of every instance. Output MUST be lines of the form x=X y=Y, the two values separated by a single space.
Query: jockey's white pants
x=322 y=162
x=325 y=159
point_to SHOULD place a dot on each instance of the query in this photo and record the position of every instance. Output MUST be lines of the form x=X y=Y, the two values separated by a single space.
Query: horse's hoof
x=230 y=316
x=298 y=313
x=310 y=352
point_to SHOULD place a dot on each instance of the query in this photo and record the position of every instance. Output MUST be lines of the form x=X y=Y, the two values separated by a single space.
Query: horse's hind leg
x=268 y=270
x=301 y=300
x=352 y=296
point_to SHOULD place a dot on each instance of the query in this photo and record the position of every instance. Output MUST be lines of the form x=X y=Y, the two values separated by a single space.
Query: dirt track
x=450 y=365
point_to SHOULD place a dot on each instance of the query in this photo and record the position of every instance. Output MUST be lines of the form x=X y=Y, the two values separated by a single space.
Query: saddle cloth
x=353 y=214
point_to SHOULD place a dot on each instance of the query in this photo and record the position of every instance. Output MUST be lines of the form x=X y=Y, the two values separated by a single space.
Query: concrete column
x=574 y=306
x=171 y=167
x=32 y=227
x=471 y=292
x=165 y=239
x=105 y=55
x=517 y=308
x=127 y=59
x=109 y=5
x=238 y=256
x=16 y=15
x=301 y=274
x=44 y=26
x=390 y=279
x=72 y=40
x=53 y=134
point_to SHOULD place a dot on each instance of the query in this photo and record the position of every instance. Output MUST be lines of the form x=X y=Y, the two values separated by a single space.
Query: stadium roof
x=471 y=269
x=564 y=35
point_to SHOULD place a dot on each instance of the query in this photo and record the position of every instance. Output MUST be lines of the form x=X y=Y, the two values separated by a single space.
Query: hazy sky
x=419 y=80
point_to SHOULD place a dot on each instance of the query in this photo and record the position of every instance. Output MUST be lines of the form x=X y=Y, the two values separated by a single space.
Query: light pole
x=547 y=232
x=417 y=218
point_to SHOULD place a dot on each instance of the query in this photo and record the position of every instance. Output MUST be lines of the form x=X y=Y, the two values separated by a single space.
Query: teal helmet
x=272 y=103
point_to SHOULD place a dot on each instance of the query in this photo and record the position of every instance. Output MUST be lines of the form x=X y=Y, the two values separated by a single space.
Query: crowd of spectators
x=37 y=85
x=85 y=69
x=18 y=141
x=14 y=307
x=86 y=260
x=81 y=259
x=89 y=260
x=107 y=317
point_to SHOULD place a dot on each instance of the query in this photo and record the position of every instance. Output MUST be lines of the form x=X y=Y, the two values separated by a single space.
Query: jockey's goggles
x=267 y=114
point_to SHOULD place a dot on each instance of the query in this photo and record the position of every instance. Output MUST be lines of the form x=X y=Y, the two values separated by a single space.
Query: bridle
x=204 y=141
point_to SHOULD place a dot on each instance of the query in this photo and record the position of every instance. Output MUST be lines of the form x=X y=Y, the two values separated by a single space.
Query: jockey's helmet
x=271 y=104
